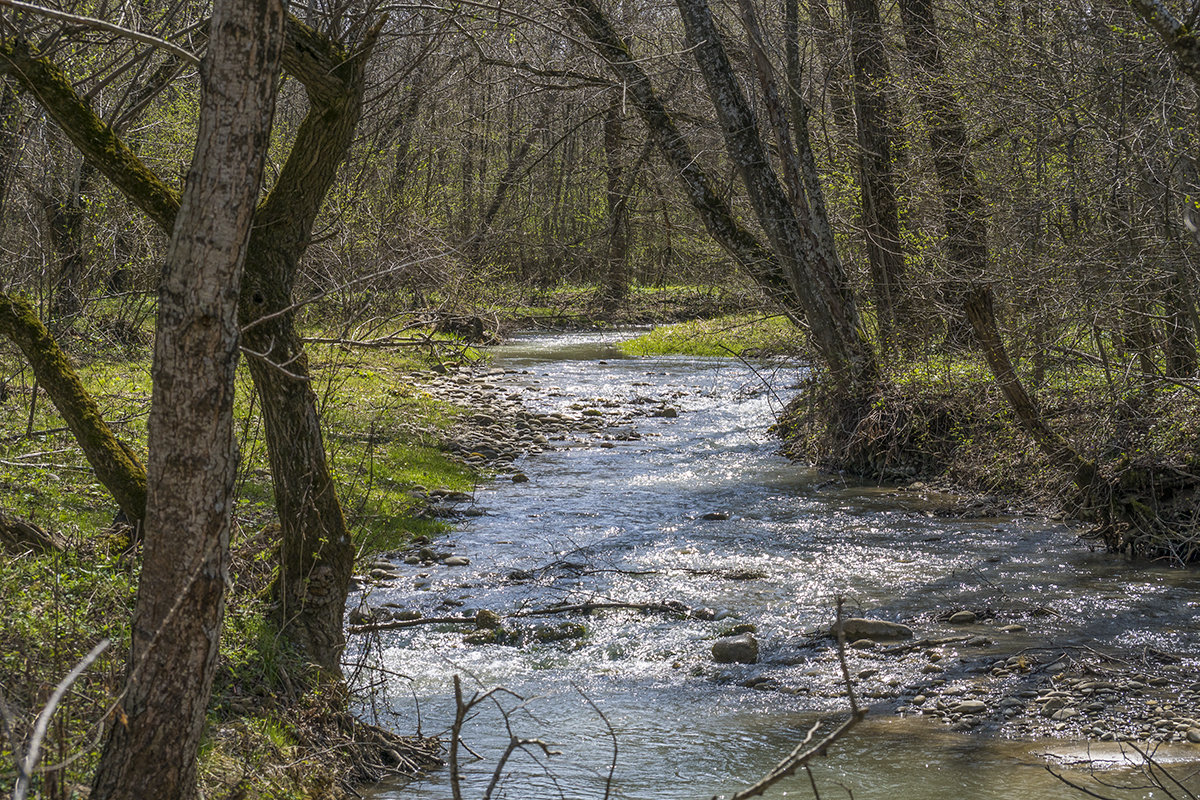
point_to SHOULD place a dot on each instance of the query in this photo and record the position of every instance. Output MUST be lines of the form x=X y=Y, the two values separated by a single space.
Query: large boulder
x=862 y=628
x=741 y=649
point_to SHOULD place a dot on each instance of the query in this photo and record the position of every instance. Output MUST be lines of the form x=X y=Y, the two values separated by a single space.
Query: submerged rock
x=486 y=620
x=741 y=649
x=862 y=628
x=963 y=618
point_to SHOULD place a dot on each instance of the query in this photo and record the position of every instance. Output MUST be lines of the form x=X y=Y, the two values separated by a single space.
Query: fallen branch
x=669 y=607
x=805 y=752
x=18 y=536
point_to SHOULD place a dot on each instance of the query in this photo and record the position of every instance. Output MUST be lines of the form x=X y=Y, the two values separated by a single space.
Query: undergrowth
x=943 y=418
x=383 y=438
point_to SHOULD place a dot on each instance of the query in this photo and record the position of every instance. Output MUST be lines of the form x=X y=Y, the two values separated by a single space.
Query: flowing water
x=625 y=522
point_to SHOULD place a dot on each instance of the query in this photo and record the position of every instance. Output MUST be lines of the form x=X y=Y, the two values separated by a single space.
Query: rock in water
x=456 y=561
x=970 y=707
x=962 y=618
x=861 y=628
x=741 y=649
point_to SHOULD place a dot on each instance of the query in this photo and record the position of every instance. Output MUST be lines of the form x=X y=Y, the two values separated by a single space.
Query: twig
x=25 y=768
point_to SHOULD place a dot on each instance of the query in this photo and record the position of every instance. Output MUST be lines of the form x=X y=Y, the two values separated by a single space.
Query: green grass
x=732 y=335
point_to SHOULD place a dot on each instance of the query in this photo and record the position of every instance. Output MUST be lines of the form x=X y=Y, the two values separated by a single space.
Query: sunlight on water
x=627 y=524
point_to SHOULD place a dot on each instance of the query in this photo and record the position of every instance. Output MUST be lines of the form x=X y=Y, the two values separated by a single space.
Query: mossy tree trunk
x=153 y=744
x=115 y=464
x=316 y=554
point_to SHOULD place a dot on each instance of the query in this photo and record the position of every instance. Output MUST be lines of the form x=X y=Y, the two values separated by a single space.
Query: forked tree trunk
x=817 y=279
x=153 y=743
x=791 y=269
x=316 y=552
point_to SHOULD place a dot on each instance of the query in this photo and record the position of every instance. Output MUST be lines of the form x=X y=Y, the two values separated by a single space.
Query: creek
x=619 y=515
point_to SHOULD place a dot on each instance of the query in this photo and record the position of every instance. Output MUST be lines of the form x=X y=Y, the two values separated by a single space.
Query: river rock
x=520 y=477
x=962 y=618
x=862 y=628
x=1193 y=735
x=486 y=620
x=970 y=707
x=456 y=561
x=362 y=615
x=741 y=649
x=716 y=515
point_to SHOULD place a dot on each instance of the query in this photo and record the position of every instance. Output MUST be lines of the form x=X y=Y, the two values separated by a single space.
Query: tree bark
x=115 y=464
x=316 y=554
x=718 y=219
x=983 y=320
x=792 y=269
x=615 y=281
x=193 y=458
x=878 y=140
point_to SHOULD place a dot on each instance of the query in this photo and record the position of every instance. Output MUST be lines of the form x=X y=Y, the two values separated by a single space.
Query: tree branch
x=101 y=25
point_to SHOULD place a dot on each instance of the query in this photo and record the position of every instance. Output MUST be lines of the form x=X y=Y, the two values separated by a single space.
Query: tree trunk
x=983 y=320
x=793 y=269
x=116 y=465
x=66 y=215
x=878 y=140
x=817 y=279
x=316 y=554
x=153 y=743
x=963 y=210
x=615 y=281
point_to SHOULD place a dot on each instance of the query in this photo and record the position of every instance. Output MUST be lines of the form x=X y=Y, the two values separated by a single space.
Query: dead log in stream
x=667 y=607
